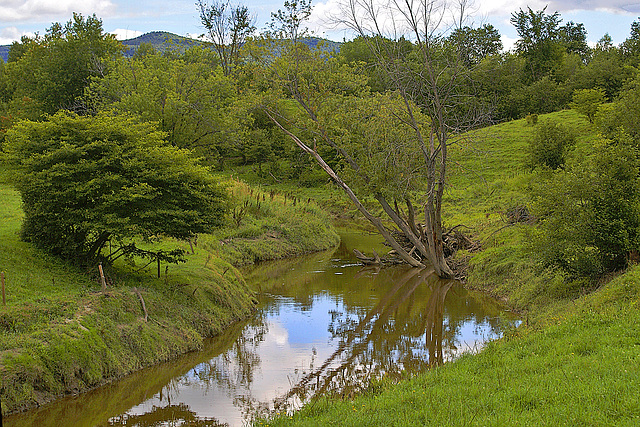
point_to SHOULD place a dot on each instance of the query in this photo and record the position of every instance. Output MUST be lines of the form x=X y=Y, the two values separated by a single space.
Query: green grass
x=575 y=361
x=490 y=177
x=60 y=334
x=578 y=366
x=272 y=225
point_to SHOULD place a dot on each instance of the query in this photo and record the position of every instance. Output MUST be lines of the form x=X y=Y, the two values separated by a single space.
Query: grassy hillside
x=61 y=334
x=576 y=360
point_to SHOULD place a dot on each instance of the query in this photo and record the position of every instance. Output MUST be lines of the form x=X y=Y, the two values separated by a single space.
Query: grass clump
x=271 y=225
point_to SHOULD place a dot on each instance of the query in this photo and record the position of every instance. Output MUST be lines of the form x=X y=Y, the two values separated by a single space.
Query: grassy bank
x=579 y=367
x=576 y=359
x=60 y=334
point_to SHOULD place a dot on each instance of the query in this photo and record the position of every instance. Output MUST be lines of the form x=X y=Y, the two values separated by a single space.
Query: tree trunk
x=373 y=219
x=98 y=244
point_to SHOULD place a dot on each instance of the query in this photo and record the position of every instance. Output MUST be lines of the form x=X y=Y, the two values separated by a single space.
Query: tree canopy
x=190 y=101
x=85 y=181
x=379 y=115
x=54 y=69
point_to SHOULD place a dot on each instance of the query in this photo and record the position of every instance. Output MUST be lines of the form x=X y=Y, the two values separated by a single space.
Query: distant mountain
x=4 y=52
x=161 y=41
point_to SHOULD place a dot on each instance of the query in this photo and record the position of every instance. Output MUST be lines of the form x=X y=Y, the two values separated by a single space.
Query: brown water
x=325 y=325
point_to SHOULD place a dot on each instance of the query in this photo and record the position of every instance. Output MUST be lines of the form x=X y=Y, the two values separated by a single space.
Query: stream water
x=325 y=325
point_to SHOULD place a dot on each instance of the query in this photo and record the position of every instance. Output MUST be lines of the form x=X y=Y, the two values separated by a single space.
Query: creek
x=325 y=325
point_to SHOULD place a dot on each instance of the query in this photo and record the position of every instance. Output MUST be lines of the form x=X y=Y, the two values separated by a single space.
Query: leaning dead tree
x=392 y=147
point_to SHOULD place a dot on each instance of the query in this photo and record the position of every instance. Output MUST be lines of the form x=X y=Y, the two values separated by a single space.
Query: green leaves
x=590 y=212
x=587 y=102
x=550 y=145
x=84 y=178
x=193 y=103
x=55 y=69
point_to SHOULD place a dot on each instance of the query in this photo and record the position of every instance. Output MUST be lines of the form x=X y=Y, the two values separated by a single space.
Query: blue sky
x=129 y=18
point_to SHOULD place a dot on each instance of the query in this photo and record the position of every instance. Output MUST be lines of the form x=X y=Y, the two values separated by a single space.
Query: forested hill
x=162 y=40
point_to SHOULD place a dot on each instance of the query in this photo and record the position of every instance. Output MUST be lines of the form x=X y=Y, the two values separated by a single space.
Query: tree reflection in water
x=386 y=340
x=402 y=332
x=159 y=416
x=326 y=326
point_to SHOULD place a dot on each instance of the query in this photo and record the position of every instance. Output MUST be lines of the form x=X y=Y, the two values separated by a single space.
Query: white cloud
x=46 y=10
x=508 y=43
x=122 y=34
x=10 y=34
x=506 y=7
x=611 y=6
x=502 y=7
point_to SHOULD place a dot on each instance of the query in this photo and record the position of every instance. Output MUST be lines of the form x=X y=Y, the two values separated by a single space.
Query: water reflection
x=378 y=343
x=326 y=325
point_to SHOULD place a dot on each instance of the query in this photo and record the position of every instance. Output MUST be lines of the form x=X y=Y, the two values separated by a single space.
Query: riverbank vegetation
x=549 y=196
x=62 y=334
x=575 y=357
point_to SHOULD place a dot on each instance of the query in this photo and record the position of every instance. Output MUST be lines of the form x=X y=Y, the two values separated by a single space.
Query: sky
x=130 y=18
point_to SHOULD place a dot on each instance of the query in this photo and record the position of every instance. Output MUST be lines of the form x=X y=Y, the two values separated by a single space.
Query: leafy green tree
x=391 y=146
x=538 y=34
x=357 y=52
x=228 y=28
x=587 y=102
x=542 y=96
x=475 y=44
x=192 y=102
x=604 y=70
x=630 y=48
x=497 y=79
x=86 y=181
x=55 y=69
x=18 y=49
x=574 y=39
x=5 y=90
x=289 y=23
x=12 y=108
x=626 y=110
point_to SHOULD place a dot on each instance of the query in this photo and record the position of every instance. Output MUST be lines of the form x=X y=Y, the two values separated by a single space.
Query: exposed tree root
x=454 y=240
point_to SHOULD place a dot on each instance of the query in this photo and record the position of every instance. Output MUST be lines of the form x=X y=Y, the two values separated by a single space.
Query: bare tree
x=227 y=28
x=426 y=80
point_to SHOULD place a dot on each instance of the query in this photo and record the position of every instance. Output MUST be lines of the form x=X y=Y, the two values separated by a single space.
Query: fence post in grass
x=102 y=279
x=4 y=298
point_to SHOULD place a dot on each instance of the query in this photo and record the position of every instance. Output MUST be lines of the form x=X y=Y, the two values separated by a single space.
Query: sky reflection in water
x=317 y=331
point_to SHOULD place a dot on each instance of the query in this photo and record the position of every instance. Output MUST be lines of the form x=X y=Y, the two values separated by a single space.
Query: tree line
x=377 y=116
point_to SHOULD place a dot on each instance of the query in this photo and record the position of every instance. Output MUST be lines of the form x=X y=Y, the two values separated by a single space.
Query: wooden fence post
x=102 y=279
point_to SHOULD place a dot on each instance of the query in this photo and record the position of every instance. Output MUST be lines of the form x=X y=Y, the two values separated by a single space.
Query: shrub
x=532 y=119
x=587 y=102
x=550 y=145
x=85 y=181
x=589 y=215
